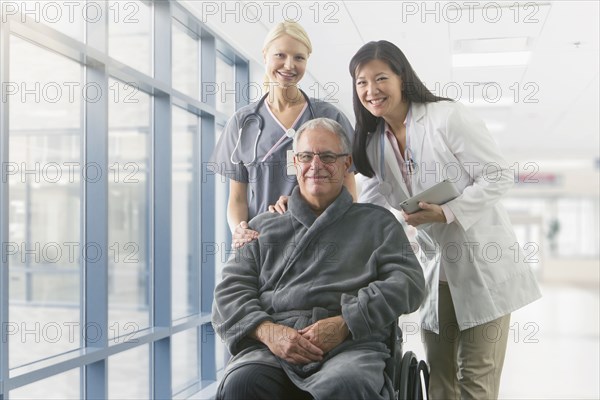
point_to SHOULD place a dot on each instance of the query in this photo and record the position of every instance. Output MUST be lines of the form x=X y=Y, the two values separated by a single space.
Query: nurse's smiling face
x=320 y=183
x=285 y=61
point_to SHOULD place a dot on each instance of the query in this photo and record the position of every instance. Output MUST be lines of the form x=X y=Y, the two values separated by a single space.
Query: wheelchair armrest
x=393 y=363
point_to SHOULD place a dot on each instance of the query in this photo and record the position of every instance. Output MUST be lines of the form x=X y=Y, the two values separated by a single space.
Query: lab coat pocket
x=498 y=256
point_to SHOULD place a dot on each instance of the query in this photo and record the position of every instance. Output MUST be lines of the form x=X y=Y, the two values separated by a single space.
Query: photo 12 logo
x=69 y=253
x=68 y=332
x=55 y=12
x=271 y=11
x=487 y=93
x=71 y=92
x=228 y=92
x=69 y=172
x=470 y=11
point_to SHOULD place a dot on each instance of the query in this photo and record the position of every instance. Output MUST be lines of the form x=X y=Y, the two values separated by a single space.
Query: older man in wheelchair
x=309 y=309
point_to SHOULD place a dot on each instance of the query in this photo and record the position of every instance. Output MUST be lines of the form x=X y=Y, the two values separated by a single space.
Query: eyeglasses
x=327 y=157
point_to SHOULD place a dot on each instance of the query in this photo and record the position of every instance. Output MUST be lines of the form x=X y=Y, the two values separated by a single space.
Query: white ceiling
x=546 y=110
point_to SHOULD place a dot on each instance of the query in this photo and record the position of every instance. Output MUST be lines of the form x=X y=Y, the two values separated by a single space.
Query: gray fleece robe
x=353 y=260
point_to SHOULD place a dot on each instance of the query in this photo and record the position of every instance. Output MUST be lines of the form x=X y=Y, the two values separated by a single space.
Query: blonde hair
x=293 y=30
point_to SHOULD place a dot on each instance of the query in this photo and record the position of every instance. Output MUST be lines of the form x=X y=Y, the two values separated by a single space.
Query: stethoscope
x=256 y=117
x=385 y=188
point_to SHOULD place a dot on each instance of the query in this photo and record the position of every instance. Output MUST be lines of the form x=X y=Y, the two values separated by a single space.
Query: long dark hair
x=413 y=90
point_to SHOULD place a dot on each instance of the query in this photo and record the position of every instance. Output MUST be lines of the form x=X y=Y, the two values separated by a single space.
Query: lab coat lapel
x=393 y=169
x=393 y=175
x=417 y=137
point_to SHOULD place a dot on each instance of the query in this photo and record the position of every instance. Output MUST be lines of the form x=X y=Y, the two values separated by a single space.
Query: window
x=64 y=386
x=106 y=291
x=576 y=227
x=44 y=248
x=186 y=60
x=129 y=177
x=185 y=351
x=558 y=226
x=225 y=86
x=129 y=375
x=130 y=37
x=184 y=215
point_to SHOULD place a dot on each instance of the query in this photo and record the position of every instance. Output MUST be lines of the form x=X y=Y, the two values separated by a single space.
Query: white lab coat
x=485 y=267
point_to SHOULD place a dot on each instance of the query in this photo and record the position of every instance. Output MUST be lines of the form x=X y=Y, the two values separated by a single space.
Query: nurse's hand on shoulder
x=242 y=235
x=280 y=206
x=429 y=213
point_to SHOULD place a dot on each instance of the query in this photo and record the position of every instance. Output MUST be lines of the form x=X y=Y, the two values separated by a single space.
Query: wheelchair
x=410 y=376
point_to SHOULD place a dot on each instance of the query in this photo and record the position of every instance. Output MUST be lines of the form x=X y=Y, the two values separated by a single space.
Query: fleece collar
x=301 y=211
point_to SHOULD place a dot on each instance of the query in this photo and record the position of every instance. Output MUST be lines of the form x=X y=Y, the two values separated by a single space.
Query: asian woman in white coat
x=407 y=140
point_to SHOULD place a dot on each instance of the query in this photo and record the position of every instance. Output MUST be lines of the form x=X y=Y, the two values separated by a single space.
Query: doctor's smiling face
x=285 y=61
x=321 y=176
x=379 y=89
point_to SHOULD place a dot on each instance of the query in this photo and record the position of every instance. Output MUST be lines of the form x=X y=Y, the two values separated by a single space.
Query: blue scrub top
x=267 y=180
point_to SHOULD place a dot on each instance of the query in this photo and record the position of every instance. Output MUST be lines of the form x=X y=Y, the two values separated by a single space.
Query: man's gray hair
x=329 y=125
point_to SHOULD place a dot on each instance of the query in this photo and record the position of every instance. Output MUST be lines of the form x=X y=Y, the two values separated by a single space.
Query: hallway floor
x=553 y=349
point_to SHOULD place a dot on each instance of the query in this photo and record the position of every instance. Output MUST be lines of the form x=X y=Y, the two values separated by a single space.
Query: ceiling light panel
x=490 y=59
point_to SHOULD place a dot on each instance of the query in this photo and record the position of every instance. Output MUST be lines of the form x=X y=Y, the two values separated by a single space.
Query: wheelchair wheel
x=422 y=381
x=413 y=378
x=407 y=371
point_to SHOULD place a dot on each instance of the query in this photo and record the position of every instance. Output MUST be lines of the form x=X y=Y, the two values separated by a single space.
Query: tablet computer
x=439 y=194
